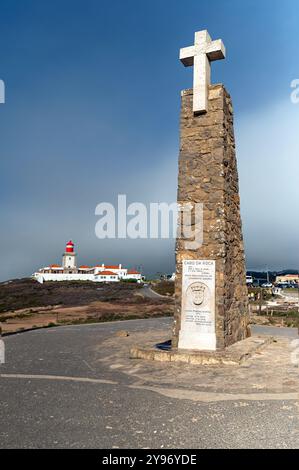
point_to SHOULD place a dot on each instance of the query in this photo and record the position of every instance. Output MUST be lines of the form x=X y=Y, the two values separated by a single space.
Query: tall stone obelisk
x=211 y=300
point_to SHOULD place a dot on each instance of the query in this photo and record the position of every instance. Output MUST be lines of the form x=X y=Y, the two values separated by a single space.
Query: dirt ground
x=60 y=303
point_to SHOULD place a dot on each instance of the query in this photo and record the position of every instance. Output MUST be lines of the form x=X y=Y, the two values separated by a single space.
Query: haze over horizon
x=92 y=111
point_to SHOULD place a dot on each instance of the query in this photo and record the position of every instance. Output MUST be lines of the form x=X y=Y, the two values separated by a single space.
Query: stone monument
x=211 y=303
x=211 y=299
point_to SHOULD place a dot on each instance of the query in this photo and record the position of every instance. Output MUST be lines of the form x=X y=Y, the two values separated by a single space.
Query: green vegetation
x=289 y=318
x=28 y=293
x=163 y=287
x=281 y=313
x=101 y=302
x=257 y=291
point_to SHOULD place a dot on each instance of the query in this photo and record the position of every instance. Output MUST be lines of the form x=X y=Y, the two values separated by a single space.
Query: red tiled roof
x=112 y=267
x=55 y=266
x=132 y=271
x=107 y=273
x=84 y=267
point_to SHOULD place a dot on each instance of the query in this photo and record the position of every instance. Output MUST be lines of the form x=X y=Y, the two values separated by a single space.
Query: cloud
x=268 y=149
x=37 y=225
x=54 y=202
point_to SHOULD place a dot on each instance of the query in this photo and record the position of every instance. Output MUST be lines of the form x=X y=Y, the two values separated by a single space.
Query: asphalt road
x=148 y=292
x=55 y=393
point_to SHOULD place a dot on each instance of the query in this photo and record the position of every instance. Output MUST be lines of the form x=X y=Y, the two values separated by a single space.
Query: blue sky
x=92 y=110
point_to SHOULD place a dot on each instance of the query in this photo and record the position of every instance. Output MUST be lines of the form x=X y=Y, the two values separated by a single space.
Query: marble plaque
x=198 y=329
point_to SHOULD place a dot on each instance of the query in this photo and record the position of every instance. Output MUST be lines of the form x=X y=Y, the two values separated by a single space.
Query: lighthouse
x=97 y=273
x=69 y=258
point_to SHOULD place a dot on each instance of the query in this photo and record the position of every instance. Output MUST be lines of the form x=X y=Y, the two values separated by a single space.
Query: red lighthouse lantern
x=69 y=247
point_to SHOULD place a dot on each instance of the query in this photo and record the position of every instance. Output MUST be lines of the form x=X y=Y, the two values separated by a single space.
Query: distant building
x=70 y=272
x=289 y=278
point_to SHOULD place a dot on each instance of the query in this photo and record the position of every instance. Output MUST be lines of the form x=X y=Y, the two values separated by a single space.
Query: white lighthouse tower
x=69 y=258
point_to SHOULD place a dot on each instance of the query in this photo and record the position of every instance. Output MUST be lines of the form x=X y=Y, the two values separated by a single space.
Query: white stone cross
x=200 y=55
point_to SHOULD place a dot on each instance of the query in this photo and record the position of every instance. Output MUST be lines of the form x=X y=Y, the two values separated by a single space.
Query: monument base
x=232 y=355
x=204 y=342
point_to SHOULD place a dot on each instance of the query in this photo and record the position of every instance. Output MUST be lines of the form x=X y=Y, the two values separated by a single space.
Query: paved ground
x=148 y=292
x=71 y=387
x=291 y=295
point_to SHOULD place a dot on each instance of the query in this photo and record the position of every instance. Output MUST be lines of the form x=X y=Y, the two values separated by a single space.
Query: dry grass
x=63 y=303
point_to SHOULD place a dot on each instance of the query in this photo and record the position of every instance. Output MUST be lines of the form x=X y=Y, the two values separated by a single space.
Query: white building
x=70 y=272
